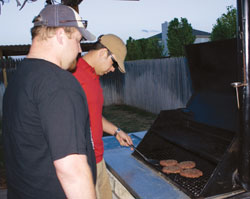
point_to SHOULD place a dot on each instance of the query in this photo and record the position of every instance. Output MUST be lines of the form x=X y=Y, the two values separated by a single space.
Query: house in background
x=200 y=36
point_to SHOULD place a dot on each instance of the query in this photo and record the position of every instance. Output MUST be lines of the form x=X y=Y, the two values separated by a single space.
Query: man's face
x=105 y=64
x=72 y=48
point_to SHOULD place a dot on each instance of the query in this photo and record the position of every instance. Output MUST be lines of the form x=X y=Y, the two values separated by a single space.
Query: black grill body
x=175 y=136
x=205 y=131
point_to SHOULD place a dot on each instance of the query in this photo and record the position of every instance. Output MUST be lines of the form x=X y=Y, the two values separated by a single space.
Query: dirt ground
x=129 y=119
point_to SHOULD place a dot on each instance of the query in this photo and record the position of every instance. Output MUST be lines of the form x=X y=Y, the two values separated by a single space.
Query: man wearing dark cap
x=46 y=134
x=108 y=54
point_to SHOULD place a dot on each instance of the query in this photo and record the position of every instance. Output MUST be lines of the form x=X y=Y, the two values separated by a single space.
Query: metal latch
x=236 y=85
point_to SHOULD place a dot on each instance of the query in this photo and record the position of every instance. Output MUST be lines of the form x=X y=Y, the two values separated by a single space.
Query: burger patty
x=171 y=169
x=169 y=162
x=191 y=173
x=187 y=164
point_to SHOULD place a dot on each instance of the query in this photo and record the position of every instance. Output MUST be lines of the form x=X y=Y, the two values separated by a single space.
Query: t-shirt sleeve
x=65 y=121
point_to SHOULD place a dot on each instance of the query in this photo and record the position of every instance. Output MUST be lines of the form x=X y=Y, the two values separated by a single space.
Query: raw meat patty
x=191 y=173
x=187 y=164
x=171 y=169
x=169 y=162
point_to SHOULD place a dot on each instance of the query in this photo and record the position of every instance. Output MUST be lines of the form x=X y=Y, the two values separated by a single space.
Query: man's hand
x=124 y=139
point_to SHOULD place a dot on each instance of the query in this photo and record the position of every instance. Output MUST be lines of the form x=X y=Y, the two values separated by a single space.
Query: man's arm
x=75 y=176
x=123 y=138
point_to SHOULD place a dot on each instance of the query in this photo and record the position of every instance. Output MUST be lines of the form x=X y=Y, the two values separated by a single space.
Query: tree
x=143 y=49
x=179 y=34
x=225 y=28
x=134 y=51
x=153 y=49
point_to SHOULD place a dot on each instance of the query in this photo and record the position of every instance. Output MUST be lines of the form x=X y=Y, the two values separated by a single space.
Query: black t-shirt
x=45 y=118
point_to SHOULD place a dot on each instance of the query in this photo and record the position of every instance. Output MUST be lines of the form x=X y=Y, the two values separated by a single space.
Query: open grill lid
x=213 y=67
x=204 y=131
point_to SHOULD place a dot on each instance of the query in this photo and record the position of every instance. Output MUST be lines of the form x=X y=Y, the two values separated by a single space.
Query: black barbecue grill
x=214 y=150
x=213 y=130
x=205 y=131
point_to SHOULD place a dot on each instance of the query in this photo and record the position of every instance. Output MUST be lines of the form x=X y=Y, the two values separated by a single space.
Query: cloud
x=149 y=31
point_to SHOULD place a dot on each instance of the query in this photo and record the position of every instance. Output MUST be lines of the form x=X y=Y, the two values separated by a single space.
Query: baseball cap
x=62 y=16
x=117 y=47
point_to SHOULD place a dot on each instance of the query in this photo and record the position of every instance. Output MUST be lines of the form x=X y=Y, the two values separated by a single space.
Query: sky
x=136 y=19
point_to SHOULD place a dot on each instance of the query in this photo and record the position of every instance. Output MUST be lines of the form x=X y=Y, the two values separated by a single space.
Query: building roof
x=199 y=32
x=159 y=36
x=195 y=33
x=18 y=50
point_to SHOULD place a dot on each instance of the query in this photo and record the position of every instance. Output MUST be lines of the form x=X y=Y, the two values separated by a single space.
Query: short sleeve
x=65 y=121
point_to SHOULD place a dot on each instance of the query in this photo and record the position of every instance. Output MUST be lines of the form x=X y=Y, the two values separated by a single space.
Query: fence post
x=4 y=70
x=5 y=77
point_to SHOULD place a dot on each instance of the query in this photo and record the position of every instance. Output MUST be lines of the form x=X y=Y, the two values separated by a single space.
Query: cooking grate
x=192 y=187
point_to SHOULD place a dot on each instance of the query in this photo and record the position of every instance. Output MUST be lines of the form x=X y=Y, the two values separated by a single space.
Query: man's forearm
x=122 y=137
x=75 y=176
x=108 y=127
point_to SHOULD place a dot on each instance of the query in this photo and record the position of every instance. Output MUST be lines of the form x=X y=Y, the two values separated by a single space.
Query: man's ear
x=60 y=35
x=103 y=52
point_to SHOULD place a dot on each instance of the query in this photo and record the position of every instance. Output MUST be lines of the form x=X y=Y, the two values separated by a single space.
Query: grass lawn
x=129 y=119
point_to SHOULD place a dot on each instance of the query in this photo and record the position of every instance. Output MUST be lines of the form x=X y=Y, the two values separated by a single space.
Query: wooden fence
x=152 y=85
x=7 y=68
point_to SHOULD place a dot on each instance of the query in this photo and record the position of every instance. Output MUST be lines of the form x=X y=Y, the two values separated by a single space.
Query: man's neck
x=89 y=58
x=43 y=50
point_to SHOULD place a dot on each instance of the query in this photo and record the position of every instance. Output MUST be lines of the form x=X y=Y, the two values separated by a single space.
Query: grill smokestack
x=244 y=111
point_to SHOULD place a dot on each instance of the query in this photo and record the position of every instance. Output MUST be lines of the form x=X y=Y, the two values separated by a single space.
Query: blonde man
x=48 y=150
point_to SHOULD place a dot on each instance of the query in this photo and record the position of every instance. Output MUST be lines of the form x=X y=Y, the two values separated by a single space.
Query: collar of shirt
x=86 y=67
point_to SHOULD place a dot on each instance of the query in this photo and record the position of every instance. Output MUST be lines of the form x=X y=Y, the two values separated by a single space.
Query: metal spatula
x=151 y=161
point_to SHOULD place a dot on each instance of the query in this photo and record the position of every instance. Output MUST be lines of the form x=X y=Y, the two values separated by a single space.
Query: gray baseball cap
x=62 y=16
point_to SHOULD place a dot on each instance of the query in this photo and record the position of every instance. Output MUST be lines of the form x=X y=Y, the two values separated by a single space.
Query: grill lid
x=213 y=67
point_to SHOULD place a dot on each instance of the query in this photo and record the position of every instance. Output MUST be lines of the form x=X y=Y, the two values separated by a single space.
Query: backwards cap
x=117 y=47
x=62 y=16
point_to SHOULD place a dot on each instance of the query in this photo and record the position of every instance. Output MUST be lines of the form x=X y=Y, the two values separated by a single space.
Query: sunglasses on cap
x=84 y=22
x=115 y=64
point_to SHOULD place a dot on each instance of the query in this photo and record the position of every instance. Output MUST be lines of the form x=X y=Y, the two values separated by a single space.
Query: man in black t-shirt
x=47 y=142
